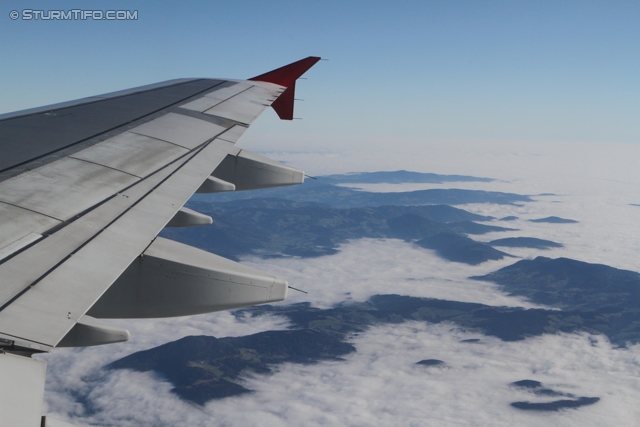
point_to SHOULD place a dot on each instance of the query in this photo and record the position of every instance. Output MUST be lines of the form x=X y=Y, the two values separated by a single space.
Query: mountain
x=437 y=213
x=536 y=388
x=554 y=220
x=556 y=405
x=314 y=218
x=203 y=368
x=524 y=242
x=277 y=227
x=397 y=177
x=570 y=284
x=457 y=248
x=314 y=221
x=321 y=192
x=431 y=362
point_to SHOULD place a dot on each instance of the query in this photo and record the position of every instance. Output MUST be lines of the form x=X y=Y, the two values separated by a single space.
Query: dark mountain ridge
x=457 y=248
x=205 y=368
x=554 y=220
x=277 y=227
x=570 y=284
x=318 y=191
x=524 y=242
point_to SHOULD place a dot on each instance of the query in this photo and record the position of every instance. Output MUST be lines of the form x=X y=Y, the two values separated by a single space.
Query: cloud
x=380 y=384
x=367 y=267
x=76 y=383
x=594 y=183
x=605 y=234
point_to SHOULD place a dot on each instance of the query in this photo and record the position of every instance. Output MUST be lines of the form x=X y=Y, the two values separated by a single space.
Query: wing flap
x=46 y=312
x=18 y=244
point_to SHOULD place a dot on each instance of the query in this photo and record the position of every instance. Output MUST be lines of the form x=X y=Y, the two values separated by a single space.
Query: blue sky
x=402 y=71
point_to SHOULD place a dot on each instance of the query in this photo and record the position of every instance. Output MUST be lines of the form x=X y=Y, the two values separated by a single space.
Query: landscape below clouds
x=380 y=383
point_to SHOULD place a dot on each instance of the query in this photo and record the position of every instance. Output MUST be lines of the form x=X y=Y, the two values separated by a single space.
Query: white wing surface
x=86 y=186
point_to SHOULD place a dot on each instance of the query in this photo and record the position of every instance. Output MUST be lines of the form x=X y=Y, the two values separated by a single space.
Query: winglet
x=287 y=76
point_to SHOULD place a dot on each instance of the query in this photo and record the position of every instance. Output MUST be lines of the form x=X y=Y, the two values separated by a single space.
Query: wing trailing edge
x=286 y=76
x=173 y=279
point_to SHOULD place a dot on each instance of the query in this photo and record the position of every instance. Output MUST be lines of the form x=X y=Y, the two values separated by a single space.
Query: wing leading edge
x=86 y=186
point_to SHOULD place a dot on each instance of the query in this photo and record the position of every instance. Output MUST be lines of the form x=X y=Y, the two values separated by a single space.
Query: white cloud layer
x=74 y=375
x=380 y=384
x=366 y=267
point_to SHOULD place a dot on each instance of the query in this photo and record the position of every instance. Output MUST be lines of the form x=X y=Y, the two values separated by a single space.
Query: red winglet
x=287 y=76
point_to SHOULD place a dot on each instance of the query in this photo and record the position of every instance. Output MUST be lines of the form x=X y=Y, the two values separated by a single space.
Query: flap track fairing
x=173 y=279
x=186 y=217
x=250 y=171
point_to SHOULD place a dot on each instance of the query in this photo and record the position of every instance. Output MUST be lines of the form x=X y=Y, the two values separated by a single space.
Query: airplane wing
x=86 y=186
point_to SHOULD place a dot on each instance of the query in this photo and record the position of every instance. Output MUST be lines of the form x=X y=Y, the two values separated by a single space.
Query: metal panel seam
x=30 y=210
x=190 y=155
x=102 y=227
x=96 y=98
x=105 y=131
x=141 y=206
x=104 y=166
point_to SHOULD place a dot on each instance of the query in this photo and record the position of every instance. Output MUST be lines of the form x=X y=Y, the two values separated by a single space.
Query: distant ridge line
x=399 y=177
